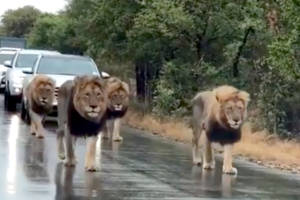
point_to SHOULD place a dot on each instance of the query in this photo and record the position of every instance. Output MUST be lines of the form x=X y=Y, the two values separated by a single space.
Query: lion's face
x=44 y=93
x=234 y=111
x=90 y=99
x=118 y=100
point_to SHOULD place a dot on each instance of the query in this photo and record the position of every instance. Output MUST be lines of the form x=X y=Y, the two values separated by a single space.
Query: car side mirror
x=27 y=71
x=7 y=63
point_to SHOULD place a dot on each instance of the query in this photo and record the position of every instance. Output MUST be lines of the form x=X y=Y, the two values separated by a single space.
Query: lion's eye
x=98 y=95
x=229 y=108
x=87 y=95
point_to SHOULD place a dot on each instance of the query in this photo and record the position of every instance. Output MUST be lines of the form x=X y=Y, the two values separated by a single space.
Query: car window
x=26 y=60
x=66 y=66
x=4 y=57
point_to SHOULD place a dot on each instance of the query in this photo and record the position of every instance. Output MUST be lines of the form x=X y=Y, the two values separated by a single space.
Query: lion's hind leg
x=90 y=160
x=105 y=131
x=227 y=160
x=116 y=131
x=60 y=144
x=208 y=156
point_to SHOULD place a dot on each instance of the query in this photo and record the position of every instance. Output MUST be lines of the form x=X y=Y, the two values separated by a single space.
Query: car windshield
x=66 y=66
x=4 y=57
x=26 y=60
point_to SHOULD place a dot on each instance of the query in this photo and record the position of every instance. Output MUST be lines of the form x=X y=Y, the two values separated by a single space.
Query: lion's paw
x=208 y=166
x=231 y=170
x=106 y=137
x=197 y=161
x=39 y=136
x=92 y=168
x=62 y=156
x=118 y=139
x=70 y=163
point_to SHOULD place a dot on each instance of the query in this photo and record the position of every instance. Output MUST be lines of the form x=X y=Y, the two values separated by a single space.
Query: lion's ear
x=79 y=80
x=100 y=81
x=125 y=86
x=245 y=97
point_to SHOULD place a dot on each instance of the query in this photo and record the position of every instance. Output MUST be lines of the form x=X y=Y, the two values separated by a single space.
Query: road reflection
x=35 y=164
x=12 y=155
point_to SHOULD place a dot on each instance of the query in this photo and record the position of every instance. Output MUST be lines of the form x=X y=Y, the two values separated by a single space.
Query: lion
x=220 y=114
x=39 y=95
x=118 y=100
x=81 y=106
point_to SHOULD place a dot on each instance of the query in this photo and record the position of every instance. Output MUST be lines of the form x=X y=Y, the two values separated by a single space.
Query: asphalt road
x=141 y=167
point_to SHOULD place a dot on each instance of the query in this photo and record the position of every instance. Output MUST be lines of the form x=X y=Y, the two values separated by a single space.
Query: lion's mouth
x=118 y=107
x=92 y=114
x=235 y=125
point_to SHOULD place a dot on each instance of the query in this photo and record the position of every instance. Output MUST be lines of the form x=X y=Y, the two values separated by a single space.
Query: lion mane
x=39 y=94
x=82 y=112
x=118 y=100
x=220 y=114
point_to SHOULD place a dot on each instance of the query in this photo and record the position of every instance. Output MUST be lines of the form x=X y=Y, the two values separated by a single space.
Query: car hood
x=60 y=79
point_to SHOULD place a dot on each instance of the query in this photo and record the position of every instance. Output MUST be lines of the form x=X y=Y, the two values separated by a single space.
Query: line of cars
x=19 y=66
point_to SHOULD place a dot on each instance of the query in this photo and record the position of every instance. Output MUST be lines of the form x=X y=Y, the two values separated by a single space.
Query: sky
x=45 y=6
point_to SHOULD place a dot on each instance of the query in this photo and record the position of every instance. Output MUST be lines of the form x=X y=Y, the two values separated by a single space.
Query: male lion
x=39 y=94
x=82 y=104
x=118 y=99
x=219 y=114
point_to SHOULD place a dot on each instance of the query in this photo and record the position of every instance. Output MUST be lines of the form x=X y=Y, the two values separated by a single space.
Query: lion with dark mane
x=39 y=95
x=220 y=114
x=82 y=104
x=118 y=100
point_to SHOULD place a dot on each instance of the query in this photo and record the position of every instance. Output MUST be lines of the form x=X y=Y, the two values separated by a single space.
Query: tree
x=18 y=23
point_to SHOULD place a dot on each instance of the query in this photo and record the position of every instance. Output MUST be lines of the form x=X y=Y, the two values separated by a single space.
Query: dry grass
x=258 y=146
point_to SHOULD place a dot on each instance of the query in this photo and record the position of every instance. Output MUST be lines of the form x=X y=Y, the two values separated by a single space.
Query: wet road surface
x=141 y=167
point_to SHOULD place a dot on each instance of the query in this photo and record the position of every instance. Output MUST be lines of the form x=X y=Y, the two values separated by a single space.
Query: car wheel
x=24 y=113
x=10 y=103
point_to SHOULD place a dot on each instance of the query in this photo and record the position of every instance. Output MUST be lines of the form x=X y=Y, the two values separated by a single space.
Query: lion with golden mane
x=219 y=114
x=118 y=100
x=39 y=95
x=82 y=104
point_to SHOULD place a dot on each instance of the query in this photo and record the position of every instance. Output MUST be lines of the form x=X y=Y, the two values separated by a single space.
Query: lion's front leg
x=105 y=131
x=36 y=125
x=90 y=159
x=60 y=144
x=208 y=156
x=227 y=161
x=116 y=131
x=197 y=160
x=70 y=141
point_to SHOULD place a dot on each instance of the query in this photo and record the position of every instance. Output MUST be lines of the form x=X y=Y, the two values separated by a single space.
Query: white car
x=4 y=56
x=21 y=63
x=61 y=68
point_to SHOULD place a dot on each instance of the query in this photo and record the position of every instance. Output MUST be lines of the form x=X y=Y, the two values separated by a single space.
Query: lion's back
x=63 y=101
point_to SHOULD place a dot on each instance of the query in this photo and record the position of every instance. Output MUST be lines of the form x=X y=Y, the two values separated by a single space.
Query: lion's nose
x=44 y=98
x=235 y=120
x=93 y=106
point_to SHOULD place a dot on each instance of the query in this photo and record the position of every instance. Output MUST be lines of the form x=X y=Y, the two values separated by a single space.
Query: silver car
x=4 y=56
x=61 y=68
x=21 y=63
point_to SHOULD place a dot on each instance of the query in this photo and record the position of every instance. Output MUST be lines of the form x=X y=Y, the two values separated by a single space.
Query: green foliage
x=178 y=48
x=18 y=23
